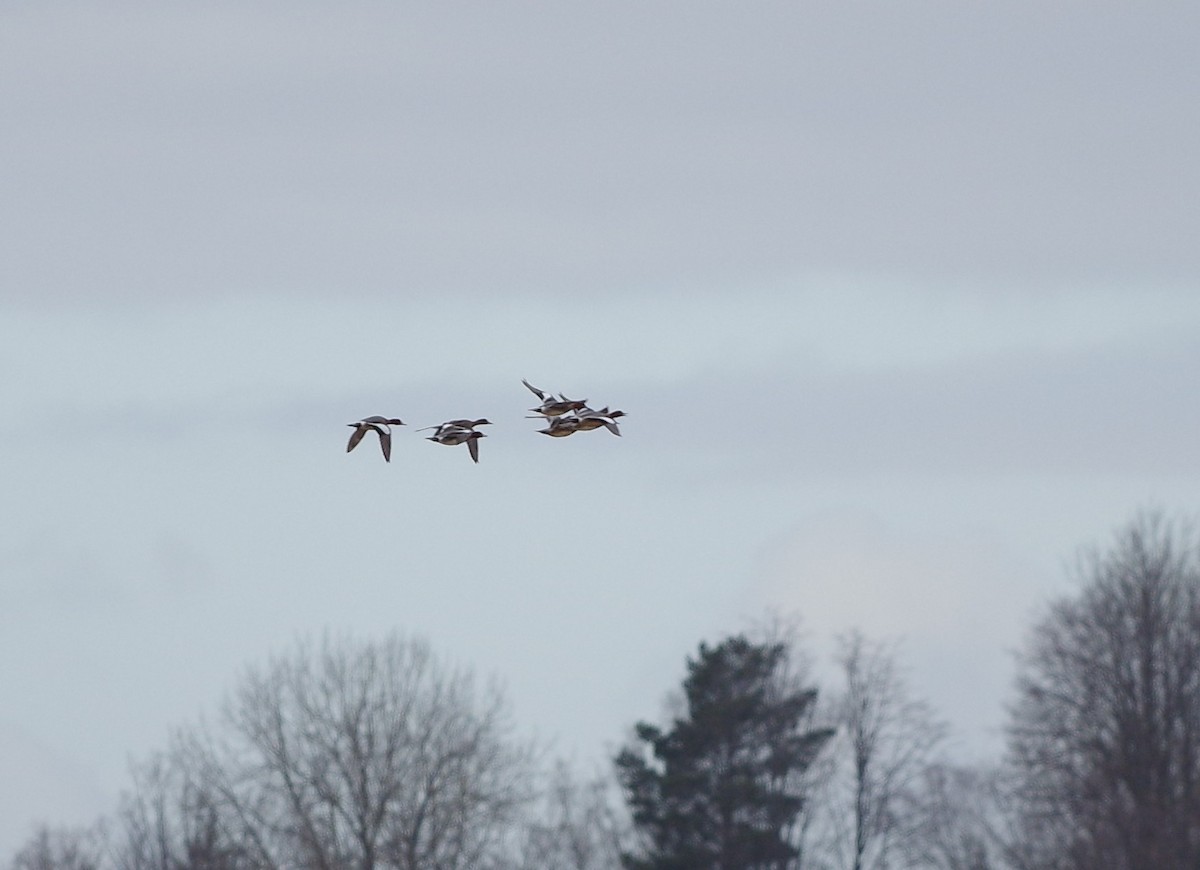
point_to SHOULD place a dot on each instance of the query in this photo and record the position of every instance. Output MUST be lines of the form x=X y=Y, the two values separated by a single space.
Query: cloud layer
x=375 y=149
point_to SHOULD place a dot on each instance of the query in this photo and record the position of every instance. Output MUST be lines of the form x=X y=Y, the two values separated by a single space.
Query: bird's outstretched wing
x=534 y=390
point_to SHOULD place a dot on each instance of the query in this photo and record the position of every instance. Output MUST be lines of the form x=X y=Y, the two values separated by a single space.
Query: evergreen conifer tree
x=722 y=789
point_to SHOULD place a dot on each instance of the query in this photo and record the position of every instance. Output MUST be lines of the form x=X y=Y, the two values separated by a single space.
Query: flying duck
x=551 y=406
x=457 y=424
x=589 y=419
x=459 y=435
x=561 y=427
x=380 y=425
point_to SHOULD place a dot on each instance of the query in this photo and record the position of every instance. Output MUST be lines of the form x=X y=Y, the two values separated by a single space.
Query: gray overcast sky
x=903 y=303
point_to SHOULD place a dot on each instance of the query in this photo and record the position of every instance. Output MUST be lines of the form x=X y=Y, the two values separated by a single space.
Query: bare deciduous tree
x=368 y=755
x=956 y=812
x=1104 y=737
x=579 y=827
x=170 y=821
x=885 y=740
x=62 y=849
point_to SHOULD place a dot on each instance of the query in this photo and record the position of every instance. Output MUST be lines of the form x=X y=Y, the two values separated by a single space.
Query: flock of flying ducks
x=562 y=416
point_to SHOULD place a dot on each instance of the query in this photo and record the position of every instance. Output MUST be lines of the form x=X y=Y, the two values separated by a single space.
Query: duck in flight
x=561 y=427
x=589 y=419
x=457 y=424
x=452 y=435
x=551 y=406
x=382 y=426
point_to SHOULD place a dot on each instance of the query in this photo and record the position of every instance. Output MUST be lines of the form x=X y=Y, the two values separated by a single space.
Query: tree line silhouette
x=341 y=753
